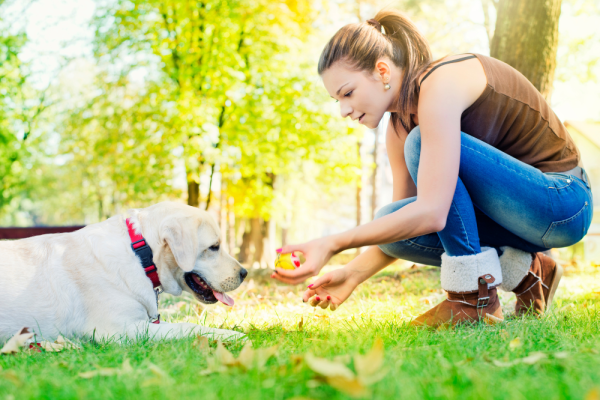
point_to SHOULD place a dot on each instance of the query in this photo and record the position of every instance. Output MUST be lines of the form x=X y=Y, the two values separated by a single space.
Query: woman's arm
x=443 y=98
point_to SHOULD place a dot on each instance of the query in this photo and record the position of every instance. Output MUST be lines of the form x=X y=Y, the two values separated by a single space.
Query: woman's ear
x=383 y=71
x=180 y=236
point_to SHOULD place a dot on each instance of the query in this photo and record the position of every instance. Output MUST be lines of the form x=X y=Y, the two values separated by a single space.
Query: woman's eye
x=348 y=94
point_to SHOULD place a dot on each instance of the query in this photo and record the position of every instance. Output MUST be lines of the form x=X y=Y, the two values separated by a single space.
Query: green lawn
x=555 y=357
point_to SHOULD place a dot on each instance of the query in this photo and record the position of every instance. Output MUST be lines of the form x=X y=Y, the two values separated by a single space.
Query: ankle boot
x=470 y=282
x=532 y=277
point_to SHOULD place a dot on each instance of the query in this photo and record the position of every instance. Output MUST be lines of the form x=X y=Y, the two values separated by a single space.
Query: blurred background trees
x=112 y=104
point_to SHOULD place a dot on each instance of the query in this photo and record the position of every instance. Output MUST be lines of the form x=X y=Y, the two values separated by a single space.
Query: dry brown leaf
x=223 y=356
x=352 y=387
x=533 y=358
x=49 y=346
x=125 y=369
x=249 y=358
x=16 y=342
x=515 y=343
x=593 y=394
x=99 y=372
x=327 y=368
x=58 y=345
x=372 y=362
x=13 y=377
x=201 y=343
x=490 y=319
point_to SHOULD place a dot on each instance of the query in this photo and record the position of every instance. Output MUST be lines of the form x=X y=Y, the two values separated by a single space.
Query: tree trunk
x=526 y=37
x=359 y=191
x=374 y=176
x=244 y=254
x=231 y=227
x=193 y=193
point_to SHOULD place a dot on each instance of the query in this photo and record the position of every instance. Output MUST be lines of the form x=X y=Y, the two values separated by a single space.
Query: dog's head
x=190 y=255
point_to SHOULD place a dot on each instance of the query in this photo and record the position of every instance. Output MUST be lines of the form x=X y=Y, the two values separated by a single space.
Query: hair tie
x=374 y=23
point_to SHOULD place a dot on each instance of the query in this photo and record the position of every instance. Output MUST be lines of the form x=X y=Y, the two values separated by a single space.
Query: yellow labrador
x=91 y=282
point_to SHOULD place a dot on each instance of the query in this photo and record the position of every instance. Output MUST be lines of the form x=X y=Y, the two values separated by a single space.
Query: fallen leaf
x=125 y=369
x=515 y=343
x=490 y=319
x=372 y=362
x=593 y=394
x=301 y=323
x=223 y=356
x=67 y=343
x=352 y=387
x=16 y=342
x=327 y=368
x=49 y=346
x=13 y=377
x=533 y=358
x=499 y=363
x=99 y=372
x=249 y=358
x=201 y=342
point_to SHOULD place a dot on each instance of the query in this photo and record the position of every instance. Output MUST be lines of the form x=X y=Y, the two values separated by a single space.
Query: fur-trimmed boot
x=533 y=277
x=470 y=282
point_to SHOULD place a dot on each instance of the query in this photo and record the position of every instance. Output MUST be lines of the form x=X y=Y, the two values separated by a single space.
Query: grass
x=470 y=362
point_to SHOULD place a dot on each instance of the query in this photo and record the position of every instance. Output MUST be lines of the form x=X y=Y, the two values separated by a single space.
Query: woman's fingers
x=291 y=248
x=314 y=301
x=325 y=303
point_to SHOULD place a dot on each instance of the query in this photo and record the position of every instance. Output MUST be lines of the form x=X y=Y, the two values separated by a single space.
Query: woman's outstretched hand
x=331 y=290
x=317 y=253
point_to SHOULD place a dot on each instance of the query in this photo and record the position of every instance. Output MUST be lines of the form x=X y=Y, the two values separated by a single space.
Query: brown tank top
x=512 y=116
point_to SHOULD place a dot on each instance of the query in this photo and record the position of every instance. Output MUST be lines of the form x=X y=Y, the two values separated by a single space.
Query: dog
x=91 y=283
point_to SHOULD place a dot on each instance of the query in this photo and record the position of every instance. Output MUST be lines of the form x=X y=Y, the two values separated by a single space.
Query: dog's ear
x=181 y=239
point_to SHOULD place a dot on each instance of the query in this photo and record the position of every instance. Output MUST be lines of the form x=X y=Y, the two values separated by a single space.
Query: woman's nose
x=345 y=110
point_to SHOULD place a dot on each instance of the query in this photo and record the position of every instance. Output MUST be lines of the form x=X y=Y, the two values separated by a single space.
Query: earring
x=387 y=86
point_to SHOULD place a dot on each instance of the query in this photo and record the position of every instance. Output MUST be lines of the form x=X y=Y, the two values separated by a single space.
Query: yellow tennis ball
x=287 y=261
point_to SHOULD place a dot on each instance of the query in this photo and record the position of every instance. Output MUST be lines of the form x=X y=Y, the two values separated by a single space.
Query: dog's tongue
x=223 y=298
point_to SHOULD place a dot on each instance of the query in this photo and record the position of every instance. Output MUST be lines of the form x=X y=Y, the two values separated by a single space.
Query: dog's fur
x=91 y=283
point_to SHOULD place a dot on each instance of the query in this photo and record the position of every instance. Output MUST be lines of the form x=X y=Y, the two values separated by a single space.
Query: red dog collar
x=144 y=253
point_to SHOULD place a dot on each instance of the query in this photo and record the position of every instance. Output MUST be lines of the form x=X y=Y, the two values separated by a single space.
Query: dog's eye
x=214 y=247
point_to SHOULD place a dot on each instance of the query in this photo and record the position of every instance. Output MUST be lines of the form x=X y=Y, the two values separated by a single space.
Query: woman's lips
x=361 y=118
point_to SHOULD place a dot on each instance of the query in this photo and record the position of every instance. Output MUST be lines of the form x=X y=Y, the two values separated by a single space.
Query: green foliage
x=11 y=82
x=215 y=86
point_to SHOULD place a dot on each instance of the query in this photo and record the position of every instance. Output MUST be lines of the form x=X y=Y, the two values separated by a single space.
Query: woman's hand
x=317 y=253
x=332 y=289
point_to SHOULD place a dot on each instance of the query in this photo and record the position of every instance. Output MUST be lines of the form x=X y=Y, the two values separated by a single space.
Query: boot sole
x=553 y=286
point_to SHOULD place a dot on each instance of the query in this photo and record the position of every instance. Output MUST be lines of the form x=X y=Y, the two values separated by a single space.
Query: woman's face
x=361 y=94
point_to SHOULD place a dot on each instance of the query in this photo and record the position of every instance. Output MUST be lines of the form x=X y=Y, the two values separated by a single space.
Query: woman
x=485 y=175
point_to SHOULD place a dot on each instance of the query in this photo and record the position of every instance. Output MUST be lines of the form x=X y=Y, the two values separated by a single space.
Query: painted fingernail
x=278 y=250
x=318 y=298
x=310 y=285
x=328 y=297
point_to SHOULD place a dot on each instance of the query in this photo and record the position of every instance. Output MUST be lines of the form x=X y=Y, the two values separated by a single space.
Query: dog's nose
x=243 y=273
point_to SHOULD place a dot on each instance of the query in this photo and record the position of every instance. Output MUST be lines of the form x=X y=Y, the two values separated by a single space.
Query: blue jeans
x=498 y=201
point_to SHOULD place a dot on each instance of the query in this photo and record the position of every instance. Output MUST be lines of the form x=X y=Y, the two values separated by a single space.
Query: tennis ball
x=287 y=261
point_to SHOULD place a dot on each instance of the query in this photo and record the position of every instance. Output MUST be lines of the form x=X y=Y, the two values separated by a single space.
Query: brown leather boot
x=482 y=305
x=532 y=277
x=470 y=282
x=536 y=291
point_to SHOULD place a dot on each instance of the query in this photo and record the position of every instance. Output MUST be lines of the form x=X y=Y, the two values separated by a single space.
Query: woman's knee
x=412 y=149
